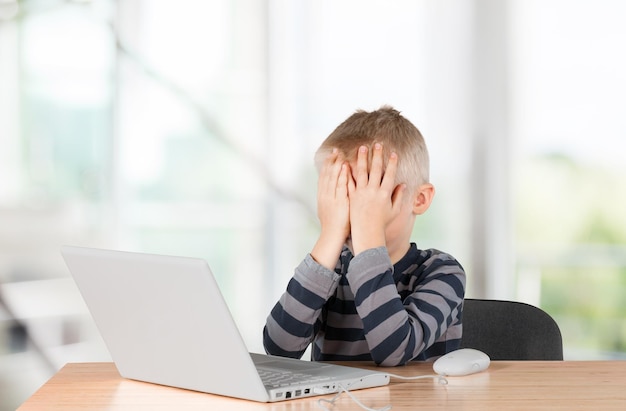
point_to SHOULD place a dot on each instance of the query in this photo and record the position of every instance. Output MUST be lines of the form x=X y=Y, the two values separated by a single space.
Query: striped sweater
x=369 y=309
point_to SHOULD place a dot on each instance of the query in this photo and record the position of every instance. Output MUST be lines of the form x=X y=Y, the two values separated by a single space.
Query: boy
x=365 y=292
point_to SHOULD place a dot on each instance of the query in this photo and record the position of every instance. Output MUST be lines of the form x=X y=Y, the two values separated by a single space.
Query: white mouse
x=464 y=361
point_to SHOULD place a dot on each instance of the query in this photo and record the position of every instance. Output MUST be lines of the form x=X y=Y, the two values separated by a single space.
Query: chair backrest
x=509 y=330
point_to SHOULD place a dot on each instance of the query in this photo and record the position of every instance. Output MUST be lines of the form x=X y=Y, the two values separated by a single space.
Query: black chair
x=509 y=330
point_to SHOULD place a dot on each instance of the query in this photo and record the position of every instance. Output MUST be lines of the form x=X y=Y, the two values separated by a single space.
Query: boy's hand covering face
x=333 y=206
x=355 y=205
x=375 y=200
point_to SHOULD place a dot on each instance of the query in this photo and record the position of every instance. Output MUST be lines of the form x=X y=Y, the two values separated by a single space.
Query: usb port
x=298 y=393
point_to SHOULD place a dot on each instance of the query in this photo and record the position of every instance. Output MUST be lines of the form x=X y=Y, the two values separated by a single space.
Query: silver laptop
x=164 y=321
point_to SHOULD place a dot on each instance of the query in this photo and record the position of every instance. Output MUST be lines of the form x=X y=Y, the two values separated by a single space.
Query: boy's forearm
x=371 y=281
x=394 y=336
x=291 y=325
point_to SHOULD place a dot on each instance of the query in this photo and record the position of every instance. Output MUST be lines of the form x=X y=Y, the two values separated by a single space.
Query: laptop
x=165 y=321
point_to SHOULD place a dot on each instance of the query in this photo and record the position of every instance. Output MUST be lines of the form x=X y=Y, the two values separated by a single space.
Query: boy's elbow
x=270 y=346
x=275 y=348
x=390 y=361
x=267 y=341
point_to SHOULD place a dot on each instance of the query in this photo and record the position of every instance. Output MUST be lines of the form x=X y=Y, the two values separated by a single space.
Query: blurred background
x=189 y=128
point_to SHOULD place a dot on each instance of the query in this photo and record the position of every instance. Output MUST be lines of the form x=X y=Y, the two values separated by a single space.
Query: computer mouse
x=464 y=361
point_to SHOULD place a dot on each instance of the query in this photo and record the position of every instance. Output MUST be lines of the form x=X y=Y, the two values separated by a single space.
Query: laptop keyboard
x=273 y=378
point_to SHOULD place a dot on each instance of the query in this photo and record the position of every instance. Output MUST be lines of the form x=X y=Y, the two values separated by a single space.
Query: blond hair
x=388 y=127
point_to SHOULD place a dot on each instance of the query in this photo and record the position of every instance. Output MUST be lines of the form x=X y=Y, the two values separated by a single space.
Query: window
x=569 y=137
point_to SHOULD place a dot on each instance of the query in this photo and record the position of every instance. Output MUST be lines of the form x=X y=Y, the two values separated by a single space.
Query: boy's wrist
x=367 y=238
x=327 y=249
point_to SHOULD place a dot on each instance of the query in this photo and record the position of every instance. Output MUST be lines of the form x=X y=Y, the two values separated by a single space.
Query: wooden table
x=506 y=385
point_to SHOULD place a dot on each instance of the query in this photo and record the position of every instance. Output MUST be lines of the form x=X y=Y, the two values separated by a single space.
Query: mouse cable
x=343 y=389
x=440 y=378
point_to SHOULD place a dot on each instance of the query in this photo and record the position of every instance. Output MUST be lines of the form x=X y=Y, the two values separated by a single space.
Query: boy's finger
x=330 y=171
x=389 y=178
x=361 y=167
x=376 y=170
x=342 y=181
x=328 y=162
x=351 y=182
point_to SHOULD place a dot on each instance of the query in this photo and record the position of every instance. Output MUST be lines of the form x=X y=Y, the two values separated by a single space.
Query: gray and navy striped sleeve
x=402 y=321
x=294 y=320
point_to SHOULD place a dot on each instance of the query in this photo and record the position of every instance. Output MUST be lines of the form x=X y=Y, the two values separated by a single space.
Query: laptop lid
x=165 y=321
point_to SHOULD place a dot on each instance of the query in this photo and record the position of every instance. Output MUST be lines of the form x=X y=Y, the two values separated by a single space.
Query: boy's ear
x=422 y=198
